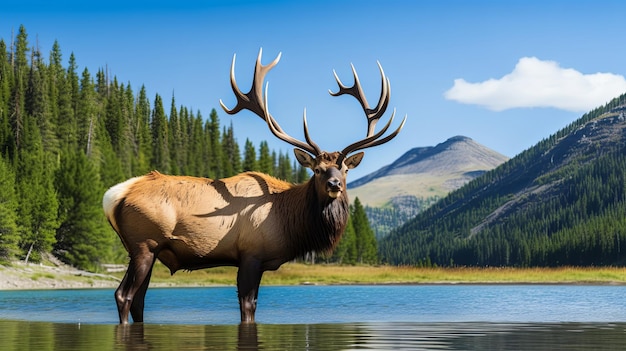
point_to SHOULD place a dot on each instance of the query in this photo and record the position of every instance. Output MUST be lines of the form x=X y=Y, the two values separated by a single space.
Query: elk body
x=252 y=220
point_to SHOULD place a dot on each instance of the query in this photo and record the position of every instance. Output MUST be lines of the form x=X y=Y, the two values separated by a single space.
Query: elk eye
x=317 y=171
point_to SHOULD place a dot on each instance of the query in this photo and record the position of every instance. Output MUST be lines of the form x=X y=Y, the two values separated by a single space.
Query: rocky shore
x=19 y=275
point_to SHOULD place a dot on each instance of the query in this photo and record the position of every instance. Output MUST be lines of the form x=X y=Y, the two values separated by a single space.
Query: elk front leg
x=248 y=280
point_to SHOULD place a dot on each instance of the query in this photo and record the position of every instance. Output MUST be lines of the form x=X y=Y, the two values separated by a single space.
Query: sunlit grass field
x=297 y=273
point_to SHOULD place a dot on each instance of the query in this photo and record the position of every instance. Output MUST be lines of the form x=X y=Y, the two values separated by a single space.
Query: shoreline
x=55 y=275
x=35 y=276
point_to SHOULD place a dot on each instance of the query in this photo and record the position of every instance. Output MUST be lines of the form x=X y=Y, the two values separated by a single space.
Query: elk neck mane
x=315 y=224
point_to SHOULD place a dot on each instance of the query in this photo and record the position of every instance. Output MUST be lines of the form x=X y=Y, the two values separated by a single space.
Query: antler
x=372 y=115
x=256 y=102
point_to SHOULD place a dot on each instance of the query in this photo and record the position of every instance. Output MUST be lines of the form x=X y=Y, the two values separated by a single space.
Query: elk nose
x=334 y=183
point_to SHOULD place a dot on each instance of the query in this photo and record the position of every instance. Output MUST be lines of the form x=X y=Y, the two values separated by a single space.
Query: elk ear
x=305 y=159
x=354 y=160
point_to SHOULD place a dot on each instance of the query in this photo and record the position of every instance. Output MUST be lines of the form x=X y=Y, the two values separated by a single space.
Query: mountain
x=426 y=172
x=561 y=202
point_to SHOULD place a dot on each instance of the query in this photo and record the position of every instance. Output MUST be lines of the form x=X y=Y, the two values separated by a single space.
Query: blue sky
x=505 y=73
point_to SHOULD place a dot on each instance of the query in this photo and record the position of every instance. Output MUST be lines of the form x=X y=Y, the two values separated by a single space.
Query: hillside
x=426 y=172
x=397 y=192
x=561 y=202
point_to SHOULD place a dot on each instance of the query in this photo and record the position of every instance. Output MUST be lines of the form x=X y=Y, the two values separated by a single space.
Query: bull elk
x=252 y=220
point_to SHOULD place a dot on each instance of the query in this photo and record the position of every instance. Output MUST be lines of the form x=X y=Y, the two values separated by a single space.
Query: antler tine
x=253 y=100
x=256 y=102
x=372 y=139
x=307 y=137
x=275 y=128
x=372 y=115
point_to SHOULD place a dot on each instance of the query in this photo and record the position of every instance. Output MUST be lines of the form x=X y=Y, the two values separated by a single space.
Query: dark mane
x=324 y=220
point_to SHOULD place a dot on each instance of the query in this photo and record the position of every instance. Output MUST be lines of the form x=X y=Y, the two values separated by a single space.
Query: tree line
x=67 y=136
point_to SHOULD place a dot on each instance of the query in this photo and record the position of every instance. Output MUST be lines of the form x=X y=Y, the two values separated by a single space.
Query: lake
x=425 y=317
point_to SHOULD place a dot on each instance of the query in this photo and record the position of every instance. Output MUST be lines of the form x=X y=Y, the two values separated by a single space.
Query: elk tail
x=112 y=199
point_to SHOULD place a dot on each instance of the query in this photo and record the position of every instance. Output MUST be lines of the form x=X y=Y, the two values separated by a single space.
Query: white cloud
x=537 y=83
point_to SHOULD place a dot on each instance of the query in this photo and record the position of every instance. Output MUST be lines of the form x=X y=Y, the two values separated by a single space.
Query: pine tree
x=81 y=239
x=38 y=103
x=214 y=147
x=346 y=252
x=284 y=170
x=143 y=137
x=160 y=154
x=7 y=146
x=9 y=237
x=61 y=99
x=231 y=155
x=185 y=121
x=265 y=159
x=38 y=205
x=301 y=173
x=86 y=108
x=17 y=104
x=175 y=140
x=249 y=158
x=365 y=238
x=195 y=160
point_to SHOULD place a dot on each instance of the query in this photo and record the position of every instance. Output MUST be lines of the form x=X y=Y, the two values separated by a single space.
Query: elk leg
x=120 y=294
x=248 y=280
x=138 y=273
x=136 y=307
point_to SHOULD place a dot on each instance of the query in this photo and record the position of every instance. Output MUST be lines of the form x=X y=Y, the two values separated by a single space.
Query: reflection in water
x=23 y=335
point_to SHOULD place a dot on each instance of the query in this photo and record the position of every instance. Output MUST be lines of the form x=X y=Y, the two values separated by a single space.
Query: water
x=422 y=317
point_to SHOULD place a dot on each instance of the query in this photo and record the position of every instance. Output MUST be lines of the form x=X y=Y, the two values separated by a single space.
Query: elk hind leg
x=135 y=281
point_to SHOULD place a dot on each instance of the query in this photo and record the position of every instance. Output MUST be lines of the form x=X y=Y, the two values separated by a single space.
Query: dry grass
x=295 y=273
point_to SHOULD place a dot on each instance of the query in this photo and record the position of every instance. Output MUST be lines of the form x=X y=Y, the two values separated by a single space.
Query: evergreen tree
x=160 y=154
x=38 y=103
x=7 y=146
x=110 y=165
x=365 y=238
x=195 y=160
x=231 y=155
x=302 y=173
x=38 y=205
x=284 y=170
x=86 y=113
x=214 y=147
x=143 y=137
x=118 y=114
x=184 y=118
x=175 y=140
x=346 y=252
x=60 y=97
x=17 y=104
x=265 y=159
x=9 y=237
x=81 y=239
x=249 y=158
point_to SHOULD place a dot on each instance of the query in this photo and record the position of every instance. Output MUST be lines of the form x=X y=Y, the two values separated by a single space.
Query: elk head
x=330 y=168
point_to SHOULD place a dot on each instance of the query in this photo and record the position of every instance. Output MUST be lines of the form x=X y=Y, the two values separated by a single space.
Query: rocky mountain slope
x=425 y=172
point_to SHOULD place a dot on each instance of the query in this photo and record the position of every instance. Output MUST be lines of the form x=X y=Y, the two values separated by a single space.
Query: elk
x=252 y=220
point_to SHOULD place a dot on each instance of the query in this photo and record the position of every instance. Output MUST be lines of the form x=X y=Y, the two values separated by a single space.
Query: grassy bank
x=295 y=273
x=36 y=276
